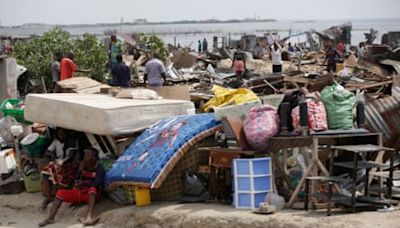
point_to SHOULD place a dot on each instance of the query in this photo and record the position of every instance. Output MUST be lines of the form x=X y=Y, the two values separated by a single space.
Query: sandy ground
x=23 y=211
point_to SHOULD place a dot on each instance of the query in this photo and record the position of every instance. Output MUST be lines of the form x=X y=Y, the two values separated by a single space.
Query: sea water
x=189 y=34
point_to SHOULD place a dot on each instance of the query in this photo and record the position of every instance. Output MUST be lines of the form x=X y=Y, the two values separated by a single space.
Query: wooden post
x=315 y=160
x=215 y=42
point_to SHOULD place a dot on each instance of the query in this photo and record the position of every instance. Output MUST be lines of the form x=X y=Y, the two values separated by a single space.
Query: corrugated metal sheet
x=383 y=115
x=395 y=64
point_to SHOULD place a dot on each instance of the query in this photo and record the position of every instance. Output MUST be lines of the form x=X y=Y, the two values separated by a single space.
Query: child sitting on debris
x=88 y=187
x=62 y=167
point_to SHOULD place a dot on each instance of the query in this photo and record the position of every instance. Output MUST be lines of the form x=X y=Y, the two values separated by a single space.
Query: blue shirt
x=121 y=75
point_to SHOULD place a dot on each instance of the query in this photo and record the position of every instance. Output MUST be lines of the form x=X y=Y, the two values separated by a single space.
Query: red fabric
x=340 y=47
x=61 y=175
x=67 y=68
x=77 y=195
x=87 y=178
x=238 y=66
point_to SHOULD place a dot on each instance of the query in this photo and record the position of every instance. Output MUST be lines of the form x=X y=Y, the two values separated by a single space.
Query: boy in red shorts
x=88 y=187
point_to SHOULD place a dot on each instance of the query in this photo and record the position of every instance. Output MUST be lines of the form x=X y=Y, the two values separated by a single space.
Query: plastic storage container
x=8 y=108
x=7 y=161
x=35 y=144
x=252 y=182
x=142 y=196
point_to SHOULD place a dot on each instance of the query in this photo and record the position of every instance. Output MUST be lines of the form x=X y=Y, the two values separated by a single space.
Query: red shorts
x=77 y=195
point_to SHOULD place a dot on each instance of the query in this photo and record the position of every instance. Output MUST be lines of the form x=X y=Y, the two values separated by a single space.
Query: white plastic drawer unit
x=252 y=181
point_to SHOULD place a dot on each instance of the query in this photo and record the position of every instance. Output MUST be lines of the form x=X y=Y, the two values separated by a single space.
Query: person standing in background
x=114 y=50
x=290 y=47
x=276 y=57
x=199 y=46
x=360 y=50
x=121 y=74
x=205 y=45
x=67 y=67
x=340 y=47
x=330 y=58
x=239 y=65
x=154 y=71
x=55 y=68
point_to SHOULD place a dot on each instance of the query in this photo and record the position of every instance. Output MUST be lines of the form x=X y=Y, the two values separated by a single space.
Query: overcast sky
x=16 y=12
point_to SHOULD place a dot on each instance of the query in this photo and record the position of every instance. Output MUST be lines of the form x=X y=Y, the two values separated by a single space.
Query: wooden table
x=279 y=143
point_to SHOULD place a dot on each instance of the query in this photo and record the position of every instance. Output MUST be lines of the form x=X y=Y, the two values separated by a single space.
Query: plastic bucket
x=35 y=144
x=32 y=182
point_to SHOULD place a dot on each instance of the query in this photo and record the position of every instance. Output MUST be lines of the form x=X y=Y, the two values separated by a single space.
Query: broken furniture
x=349 y=137
x=221 y=158
x=220 y=181
x=354 y=201
x=220 y=161
x=359 y=150
x=327 y=196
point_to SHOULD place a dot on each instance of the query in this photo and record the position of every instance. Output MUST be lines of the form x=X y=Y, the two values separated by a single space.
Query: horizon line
x=210 y=20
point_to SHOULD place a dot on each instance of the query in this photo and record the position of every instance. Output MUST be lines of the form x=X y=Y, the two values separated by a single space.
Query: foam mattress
x=152 y=151
x=101 y=114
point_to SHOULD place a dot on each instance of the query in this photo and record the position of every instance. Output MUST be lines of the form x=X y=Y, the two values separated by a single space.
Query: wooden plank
x=355 y=86
x=298 y=79
x=177 y=92
x=298 y=188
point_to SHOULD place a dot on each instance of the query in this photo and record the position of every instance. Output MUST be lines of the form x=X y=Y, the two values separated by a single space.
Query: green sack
x=339 y=105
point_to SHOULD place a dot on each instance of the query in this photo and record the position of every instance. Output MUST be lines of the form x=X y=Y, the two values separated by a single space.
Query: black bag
x=194 y=190
x=292 y=99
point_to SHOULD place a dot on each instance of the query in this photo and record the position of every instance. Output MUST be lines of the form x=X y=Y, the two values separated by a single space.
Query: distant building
x=140 y=21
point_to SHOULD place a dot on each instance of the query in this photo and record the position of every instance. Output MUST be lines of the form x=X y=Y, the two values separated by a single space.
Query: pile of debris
x=375 y=72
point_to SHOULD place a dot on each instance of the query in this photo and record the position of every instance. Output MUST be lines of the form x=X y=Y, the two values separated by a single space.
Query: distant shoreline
x=211 y=21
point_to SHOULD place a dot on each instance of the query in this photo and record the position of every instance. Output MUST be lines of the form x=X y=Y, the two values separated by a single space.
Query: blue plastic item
x=252 y=182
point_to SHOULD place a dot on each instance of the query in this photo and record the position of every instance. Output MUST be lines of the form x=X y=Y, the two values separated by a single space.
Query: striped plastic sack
x=317 y=120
